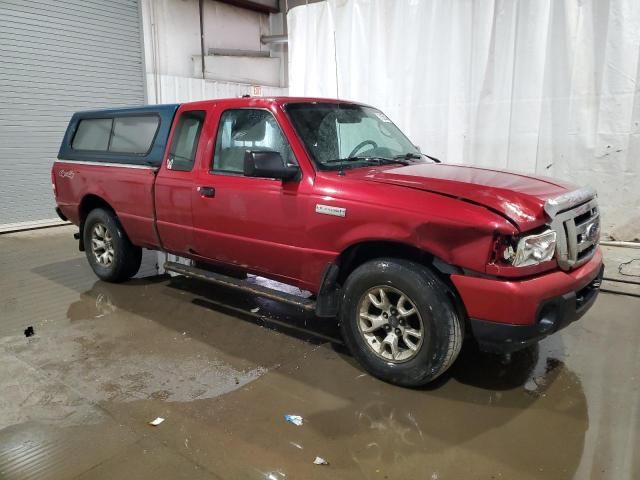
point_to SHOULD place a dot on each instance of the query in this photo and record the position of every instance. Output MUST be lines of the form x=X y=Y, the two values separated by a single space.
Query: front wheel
x=399 y=321
x=111 y=255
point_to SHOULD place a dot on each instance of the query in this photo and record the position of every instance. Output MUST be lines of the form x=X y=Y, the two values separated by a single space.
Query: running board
x=244 y=285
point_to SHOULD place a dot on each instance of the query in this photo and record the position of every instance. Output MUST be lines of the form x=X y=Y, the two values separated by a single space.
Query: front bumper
x=509 y=315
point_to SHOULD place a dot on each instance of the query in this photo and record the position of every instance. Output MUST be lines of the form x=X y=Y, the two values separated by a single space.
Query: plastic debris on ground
x=320 y=461
x=255 y=310
x=157 y=421
x=295 y=419
x=29 y=332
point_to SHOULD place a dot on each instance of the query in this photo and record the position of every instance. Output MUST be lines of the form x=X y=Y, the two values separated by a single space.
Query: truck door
x=174 y=182
x=255 y=223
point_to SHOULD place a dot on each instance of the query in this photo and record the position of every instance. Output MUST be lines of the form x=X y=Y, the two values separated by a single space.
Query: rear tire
x=111 y=255
x=399 y=322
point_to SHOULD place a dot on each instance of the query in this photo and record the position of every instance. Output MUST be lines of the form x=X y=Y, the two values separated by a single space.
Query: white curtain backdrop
x=549 y=87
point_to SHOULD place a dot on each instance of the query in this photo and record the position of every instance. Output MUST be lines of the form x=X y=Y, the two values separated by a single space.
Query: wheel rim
x=390 y=324
x=102 y=244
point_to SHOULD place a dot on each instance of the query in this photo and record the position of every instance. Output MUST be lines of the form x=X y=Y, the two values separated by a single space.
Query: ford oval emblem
x=592 y=232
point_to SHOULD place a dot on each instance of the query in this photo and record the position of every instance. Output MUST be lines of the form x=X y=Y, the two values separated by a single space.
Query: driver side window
x=248 y=129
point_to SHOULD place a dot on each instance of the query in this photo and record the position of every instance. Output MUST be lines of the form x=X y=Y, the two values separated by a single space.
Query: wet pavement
x=76 y=398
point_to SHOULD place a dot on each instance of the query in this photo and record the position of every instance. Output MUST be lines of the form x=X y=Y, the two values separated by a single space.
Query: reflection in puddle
x=489 y=415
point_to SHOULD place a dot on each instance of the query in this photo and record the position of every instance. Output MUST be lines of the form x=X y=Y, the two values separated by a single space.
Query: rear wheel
x=399 y=321
x=110 y=253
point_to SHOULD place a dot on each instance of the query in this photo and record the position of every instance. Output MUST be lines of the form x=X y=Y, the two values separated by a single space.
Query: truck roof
x=267 y=101
x=165 y=114
x=277 y=100
x=170 y=108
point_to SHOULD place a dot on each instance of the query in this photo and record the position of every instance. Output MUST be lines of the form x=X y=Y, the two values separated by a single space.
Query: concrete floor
x=106 y=359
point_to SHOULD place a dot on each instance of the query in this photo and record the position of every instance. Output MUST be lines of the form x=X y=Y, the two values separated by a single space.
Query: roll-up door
x=57 y=58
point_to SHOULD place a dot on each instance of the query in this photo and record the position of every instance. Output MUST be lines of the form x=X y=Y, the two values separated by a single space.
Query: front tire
x=111 y=255
x=399 y=322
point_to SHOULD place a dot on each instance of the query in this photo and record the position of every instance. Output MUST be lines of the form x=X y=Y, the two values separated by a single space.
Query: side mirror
x=268 y=164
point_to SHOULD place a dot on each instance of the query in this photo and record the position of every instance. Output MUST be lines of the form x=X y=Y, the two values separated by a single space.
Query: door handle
x=209 y=192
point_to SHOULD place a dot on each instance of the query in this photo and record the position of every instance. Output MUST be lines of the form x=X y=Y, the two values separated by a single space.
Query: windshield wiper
x=417 y=156
x=408 y=156
x=378 y=160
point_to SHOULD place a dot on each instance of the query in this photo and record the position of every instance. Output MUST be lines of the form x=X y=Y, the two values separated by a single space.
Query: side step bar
x=244 y=285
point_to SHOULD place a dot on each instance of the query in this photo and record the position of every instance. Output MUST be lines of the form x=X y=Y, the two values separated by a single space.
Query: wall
x=172 y=51
x=540 y=86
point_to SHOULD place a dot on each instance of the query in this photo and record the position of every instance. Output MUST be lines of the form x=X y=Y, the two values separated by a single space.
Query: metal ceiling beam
x=273 y=39
x=253 y=5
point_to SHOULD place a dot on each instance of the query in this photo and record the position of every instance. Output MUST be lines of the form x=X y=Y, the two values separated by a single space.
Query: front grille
x=576 y=219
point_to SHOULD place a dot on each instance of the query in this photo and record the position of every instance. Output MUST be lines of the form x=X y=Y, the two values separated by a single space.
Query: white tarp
x=541 y=86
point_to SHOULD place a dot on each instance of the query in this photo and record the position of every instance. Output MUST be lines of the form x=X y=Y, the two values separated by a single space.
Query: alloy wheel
x=102 y=244
x=390 y=324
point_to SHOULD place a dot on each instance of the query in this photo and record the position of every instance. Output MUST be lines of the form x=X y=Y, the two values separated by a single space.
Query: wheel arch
x=357 y=254
x=336 y=272
x=88 y=203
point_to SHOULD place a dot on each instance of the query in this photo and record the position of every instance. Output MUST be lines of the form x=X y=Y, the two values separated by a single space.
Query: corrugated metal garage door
x=57 y=58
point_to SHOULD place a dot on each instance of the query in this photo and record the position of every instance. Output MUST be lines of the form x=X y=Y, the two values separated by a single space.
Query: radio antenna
x=335 y=61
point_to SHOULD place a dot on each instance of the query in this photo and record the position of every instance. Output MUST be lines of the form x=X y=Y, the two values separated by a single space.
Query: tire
x=368 y=337
x=112 y=256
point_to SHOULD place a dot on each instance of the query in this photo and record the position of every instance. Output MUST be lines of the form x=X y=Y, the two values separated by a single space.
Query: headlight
x=532 y=250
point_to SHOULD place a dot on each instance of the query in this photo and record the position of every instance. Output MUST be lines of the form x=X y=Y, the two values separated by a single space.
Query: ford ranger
x=409 y=254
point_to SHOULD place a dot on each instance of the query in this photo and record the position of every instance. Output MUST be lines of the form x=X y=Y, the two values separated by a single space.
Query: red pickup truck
x=410 y=254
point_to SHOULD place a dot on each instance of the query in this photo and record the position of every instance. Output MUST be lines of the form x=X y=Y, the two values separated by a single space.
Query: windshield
x=344 y=135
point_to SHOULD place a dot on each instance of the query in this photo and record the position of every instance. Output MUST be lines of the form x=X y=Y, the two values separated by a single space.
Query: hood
x=520 y=198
